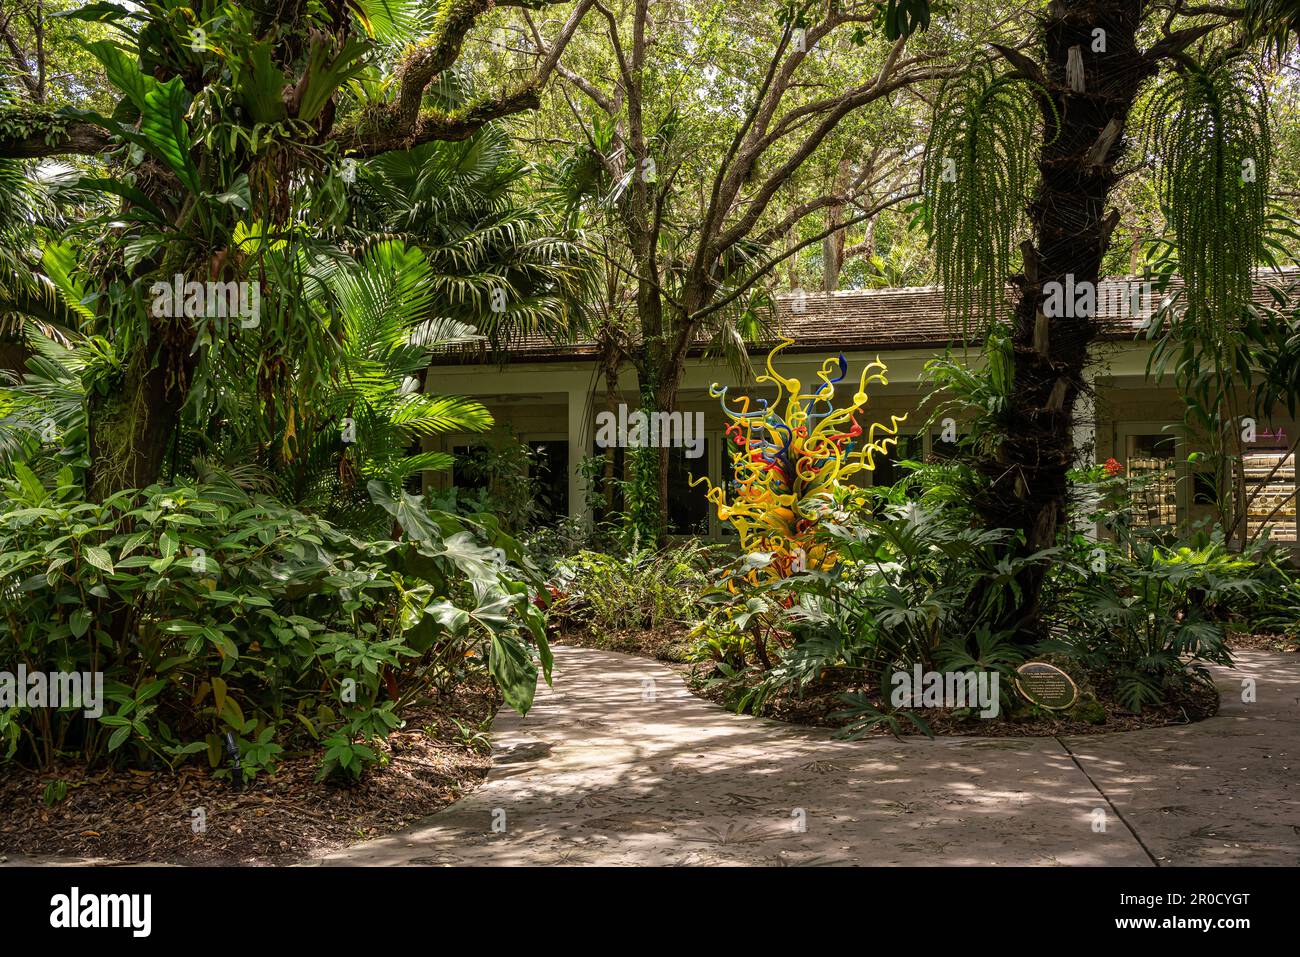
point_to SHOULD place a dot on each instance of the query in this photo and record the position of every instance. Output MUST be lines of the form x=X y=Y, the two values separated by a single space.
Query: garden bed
x=280 y=818
x=669 y=644
x=1279 y=644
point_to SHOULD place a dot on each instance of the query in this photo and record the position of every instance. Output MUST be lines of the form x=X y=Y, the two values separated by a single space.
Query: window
x=480 y=470
x=469 y=472
x=1150 y=466
x=688 y=509
x=940 y=449
x=887 y=471
x=1269 y=467
x=550 y=478
x=619 y=476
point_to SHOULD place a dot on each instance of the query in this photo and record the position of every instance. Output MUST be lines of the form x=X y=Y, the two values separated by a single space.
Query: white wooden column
x=580 y=438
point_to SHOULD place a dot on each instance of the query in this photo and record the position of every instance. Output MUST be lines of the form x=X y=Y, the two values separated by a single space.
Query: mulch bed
x=816 y=705
x=132 y=816
x=668 y=644
x=1264 y=642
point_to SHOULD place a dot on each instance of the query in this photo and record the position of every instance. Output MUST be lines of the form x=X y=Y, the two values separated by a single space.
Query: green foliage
x=213 y=612
x=496 y=259
x=1209 y=125
x=980 y=397
x=644 y=588
x=505 y=471
x=1146 y=620
x=1276 y=22
x=912 y=584
x=861 y=717
x=976 y=175
x=902 y=18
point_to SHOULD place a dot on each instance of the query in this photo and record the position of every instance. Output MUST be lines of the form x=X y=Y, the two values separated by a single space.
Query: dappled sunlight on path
x=621 y=764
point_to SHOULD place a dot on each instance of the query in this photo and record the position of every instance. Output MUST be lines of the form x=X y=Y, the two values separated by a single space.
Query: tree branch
x=403 y=125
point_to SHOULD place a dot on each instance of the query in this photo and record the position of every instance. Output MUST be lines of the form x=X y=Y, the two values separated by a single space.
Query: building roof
x=881 y=320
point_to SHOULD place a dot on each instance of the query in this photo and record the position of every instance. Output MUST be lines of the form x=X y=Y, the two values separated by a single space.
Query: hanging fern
x=976 y=175
x=1208 y=126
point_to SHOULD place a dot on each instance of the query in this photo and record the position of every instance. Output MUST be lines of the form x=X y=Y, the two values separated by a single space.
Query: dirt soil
x=282 y=818
x=1264 y=642
x=669 y=644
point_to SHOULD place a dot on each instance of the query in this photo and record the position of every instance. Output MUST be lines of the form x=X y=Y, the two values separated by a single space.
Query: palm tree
x=29 y=209
x=353 y=417
x=1277 y=22
x=497 y=261
x=1048 y=137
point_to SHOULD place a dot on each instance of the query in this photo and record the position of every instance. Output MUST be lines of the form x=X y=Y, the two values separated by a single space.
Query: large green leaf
x=163 y=122
x=122 y=71
x=162 y=108
x=512 y=666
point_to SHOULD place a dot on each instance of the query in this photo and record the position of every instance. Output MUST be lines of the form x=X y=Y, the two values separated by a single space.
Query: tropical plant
x=911 y=585
x=1147 y=623
x=1084 y=90
x=644 y=588
x=977 y=175
x=221 y=622
x=359 y=423
x=498 y=260
x=1209 y=125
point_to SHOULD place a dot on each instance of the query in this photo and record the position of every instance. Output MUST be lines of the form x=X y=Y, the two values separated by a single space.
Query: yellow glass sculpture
x=788 y=457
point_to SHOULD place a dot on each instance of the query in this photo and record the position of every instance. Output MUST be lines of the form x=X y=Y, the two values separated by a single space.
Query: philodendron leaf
x=408 y=510
x=512 y=667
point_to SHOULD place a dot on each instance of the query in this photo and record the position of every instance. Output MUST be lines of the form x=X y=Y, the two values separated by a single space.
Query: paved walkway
x=622 y=765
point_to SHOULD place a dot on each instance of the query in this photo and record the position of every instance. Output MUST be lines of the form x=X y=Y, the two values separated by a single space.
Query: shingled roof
x=878 y=320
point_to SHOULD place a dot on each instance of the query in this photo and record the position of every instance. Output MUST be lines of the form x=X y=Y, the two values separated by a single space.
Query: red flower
x=1112 y=468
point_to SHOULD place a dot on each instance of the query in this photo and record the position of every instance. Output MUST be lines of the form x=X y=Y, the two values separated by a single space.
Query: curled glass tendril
x=788 y=456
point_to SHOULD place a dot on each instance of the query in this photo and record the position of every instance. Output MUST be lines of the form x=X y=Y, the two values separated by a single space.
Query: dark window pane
x=550 y=478
x=887 y=471
x=469 y=471
x=942 y=450
x=688 y=509
x=618 y=478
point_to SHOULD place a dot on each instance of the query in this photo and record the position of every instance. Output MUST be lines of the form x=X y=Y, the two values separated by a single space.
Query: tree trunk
x=833 y=244
x=131 y=424
x=1071 y=232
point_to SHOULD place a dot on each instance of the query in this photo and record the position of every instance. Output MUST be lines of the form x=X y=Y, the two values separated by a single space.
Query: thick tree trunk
x=131 y=423
x=1071 y=230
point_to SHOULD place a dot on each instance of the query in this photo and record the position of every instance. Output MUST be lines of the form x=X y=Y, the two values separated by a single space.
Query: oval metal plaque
x=1046 y=686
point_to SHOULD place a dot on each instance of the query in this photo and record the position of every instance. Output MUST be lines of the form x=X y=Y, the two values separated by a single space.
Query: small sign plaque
x=1046 y=686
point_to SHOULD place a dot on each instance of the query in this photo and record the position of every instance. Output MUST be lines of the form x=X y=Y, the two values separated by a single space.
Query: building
x=548 y=394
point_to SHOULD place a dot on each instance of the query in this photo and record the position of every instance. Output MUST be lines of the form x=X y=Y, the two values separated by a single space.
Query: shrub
x=911 y=585
x=1144 y=618
x=222 y=620
x=645 y=588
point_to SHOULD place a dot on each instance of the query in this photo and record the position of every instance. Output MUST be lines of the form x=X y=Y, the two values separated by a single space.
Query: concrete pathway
x=622 y=765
